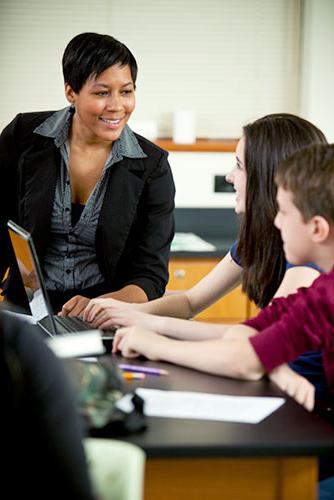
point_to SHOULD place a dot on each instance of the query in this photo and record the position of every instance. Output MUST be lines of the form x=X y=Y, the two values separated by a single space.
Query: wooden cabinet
x=253 y=310
x=3 y=279
x=185 y=272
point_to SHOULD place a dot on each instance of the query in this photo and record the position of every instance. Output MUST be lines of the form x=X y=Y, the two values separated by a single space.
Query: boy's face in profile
x=295 y=232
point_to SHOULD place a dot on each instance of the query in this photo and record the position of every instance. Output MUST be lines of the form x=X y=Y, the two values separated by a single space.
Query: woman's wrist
x=159 y=324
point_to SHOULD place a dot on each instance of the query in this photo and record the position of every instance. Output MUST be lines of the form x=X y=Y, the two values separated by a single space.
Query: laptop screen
x=29 y=268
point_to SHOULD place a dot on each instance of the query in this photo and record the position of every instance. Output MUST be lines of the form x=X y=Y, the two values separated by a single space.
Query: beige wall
x=317 y=75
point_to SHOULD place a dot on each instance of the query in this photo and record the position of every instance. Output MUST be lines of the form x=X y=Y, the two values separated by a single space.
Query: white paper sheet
x=190 y=242
x=198 y=405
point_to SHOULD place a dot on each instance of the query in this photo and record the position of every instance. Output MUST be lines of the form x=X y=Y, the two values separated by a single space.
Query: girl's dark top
x=42 y=453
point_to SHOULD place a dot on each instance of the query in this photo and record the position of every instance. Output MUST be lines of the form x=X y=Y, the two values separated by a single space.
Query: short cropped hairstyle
x=309 y=175
x=89 y=54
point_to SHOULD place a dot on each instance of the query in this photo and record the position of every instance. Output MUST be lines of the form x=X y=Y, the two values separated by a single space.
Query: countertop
x=222 y=247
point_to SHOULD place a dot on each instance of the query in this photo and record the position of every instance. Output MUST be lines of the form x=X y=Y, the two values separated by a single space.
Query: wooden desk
x=204 y=460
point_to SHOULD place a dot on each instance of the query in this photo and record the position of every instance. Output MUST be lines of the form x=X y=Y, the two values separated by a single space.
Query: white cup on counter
x=184 y=126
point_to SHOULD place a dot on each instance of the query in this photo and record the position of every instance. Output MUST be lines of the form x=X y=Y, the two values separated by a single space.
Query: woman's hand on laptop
x=75 y=306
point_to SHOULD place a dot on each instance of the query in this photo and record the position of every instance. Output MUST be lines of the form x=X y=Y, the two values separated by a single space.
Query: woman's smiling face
x=104 y=104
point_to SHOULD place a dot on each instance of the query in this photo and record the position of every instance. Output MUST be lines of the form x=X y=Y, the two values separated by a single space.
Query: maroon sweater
x=303 y=321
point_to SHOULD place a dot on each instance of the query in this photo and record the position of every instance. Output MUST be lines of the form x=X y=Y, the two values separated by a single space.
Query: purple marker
x=143 y=369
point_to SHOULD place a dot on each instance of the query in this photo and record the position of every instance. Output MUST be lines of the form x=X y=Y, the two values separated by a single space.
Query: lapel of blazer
x=38 y=176
x=119 y=209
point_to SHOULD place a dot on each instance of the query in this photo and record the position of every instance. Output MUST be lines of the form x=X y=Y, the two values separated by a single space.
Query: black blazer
x=136 y=223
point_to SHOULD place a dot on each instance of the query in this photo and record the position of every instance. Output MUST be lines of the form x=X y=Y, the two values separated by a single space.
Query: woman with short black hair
x=97 y=198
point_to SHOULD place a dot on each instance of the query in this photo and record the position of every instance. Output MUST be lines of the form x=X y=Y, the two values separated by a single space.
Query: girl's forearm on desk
x=189 y=330
x=232 y=358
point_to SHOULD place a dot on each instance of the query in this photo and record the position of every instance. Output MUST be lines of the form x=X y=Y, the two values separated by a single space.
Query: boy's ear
x=69 y=93
x=320 y=228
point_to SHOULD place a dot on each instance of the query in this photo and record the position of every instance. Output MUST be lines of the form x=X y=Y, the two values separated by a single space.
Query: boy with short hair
x=289 y=326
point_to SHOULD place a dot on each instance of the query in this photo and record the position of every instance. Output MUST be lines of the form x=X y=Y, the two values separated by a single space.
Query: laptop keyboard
x=72 y=323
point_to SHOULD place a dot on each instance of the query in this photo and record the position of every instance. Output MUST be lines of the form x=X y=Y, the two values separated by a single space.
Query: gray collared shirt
x=70 y=261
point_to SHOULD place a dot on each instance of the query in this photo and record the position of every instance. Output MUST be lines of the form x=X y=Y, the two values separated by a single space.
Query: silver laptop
x=34 y=285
